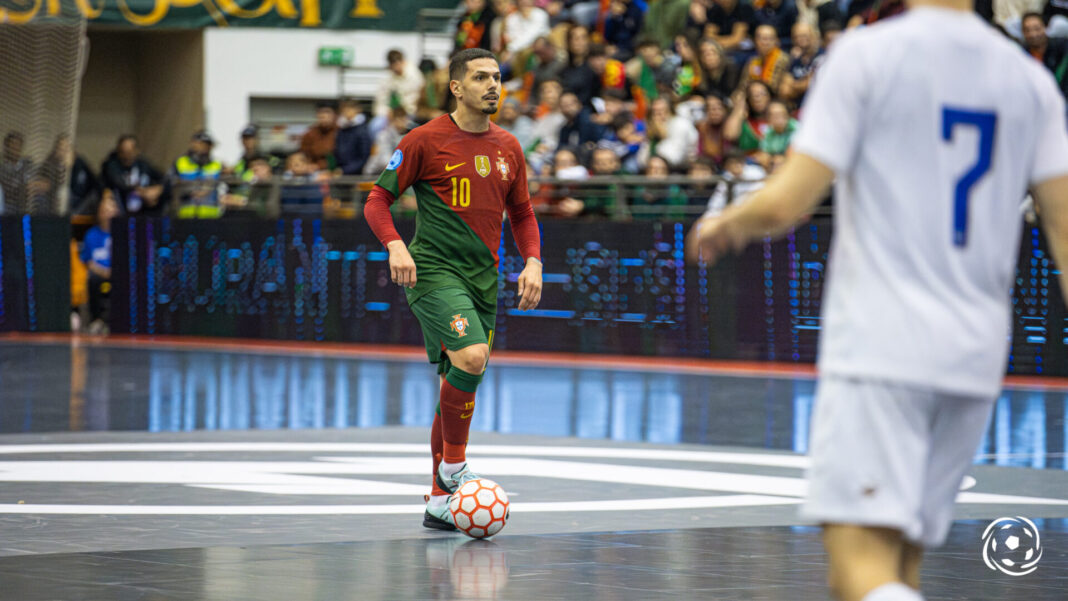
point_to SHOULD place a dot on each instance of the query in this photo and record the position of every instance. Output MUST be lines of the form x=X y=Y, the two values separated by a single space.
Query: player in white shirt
x=935 y=127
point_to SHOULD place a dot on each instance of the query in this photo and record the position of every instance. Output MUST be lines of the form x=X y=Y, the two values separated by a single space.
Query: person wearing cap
x=196 y=174
x=250 y=141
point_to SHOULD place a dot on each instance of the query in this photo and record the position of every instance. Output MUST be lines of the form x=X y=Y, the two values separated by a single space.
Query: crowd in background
x=701 y=88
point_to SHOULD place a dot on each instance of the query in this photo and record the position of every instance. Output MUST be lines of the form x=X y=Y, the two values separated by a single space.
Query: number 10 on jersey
x=985 y=122
x=461 y=191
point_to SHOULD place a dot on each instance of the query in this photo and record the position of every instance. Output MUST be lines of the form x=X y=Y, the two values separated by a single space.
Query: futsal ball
x=479 y=508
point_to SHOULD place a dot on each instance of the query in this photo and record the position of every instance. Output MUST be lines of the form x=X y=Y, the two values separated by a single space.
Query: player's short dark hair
x=458 y=63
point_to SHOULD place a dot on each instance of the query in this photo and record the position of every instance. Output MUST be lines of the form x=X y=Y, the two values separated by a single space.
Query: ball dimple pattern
x=481 y=517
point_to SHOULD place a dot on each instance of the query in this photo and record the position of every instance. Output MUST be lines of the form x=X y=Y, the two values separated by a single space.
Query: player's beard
x=489 y=109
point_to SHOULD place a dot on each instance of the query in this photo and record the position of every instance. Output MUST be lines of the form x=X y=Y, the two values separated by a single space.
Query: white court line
x=613 y=505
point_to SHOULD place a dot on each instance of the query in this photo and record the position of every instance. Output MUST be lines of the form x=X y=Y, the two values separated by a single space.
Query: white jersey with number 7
x=935 y=126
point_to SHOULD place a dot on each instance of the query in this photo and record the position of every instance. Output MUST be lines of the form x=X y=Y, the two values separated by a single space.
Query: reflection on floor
x=49 y=388
x=150 y=472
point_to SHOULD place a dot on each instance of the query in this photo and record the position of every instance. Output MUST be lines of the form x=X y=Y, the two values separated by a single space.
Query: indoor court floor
x=233 y=470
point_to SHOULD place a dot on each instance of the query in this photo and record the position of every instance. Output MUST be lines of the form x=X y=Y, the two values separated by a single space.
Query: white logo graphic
x=1012 y=546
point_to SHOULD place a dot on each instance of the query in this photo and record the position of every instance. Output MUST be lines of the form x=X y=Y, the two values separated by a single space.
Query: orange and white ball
x=479 y=508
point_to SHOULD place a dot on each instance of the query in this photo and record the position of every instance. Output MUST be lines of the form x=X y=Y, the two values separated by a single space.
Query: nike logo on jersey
x=465 y=415
x=449 y=167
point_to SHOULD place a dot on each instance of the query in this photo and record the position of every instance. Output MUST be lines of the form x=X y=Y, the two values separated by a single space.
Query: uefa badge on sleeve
x=395 y=160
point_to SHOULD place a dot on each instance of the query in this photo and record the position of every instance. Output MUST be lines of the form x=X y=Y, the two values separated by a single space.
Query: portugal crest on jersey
x=482 y=165
x=502 y=166
x=459 y=323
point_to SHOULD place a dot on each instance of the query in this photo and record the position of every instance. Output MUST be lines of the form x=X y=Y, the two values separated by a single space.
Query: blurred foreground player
x=932 y=157
x=466 y=173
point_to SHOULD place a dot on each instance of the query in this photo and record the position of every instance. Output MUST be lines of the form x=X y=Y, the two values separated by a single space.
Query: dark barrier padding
x=34 y=274
x=615 y=288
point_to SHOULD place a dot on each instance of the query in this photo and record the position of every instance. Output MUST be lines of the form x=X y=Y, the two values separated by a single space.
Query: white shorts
x=891 y=455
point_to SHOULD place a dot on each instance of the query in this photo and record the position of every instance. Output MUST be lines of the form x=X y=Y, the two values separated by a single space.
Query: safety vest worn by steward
x=207 y=206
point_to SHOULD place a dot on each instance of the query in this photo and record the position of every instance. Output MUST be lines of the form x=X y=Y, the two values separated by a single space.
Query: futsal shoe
x=449 y=484
x=438 y=518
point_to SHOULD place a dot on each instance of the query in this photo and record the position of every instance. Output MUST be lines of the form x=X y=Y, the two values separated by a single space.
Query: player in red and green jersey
x=466 y=172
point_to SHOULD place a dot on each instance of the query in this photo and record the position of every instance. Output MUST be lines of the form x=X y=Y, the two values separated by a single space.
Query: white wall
x=280 y=63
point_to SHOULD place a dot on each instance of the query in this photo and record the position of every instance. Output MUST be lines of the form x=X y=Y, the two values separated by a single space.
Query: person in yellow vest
x=196 y=176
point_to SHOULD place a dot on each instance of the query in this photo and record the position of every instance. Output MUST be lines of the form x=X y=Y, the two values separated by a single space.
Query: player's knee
x=472 y=359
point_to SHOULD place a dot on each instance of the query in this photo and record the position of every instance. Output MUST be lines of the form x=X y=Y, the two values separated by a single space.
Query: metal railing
x=619 y=198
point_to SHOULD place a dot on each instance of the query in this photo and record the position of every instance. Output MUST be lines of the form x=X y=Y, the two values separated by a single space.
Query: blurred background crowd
x=625 y=108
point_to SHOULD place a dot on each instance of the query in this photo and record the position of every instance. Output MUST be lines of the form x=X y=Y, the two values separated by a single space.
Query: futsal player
x=466 y=172
x=935 y=126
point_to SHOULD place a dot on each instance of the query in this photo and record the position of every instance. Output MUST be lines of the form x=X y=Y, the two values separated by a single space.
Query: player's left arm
x=824 y=146
x=790 y=195
x=527 y=234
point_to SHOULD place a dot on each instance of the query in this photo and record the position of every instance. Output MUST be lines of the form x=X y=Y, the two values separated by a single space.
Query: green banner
x=390 y=15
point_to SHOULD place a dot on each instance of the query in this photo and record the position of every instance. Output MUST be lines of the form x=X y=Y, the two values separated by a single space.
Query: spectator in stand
x=730 y=22
x=577 y=76
x=63 y=180
x=629 y=142
x=526 y=24
x=138 y=185
x=655 y=201
x=1008 y=14
x=818 y=13
x=777 y=136
x=702 y=174
x=829 y=32
x=352 y=145
x=579 y=131
x=712 y=144
x=198 y=173
x=513 y=121
x=319 y=140
x=770 y=64
x=650 y=71
x=805 y=55
x=558 y=199
x=304 y=186
x=877 y=12
x=779 y=14
x=610 y=75
x=621 y=28
x=498 y=31
x=664 y=19
x=739 y=179
x=546 y=62
x=435 y=99
x=250 y=143
x=749 y=116
x=15 y=173
x=402 y=88
x=96 y=255
x=1055 y=15
x=548 y=120
x=386 y=141
x=599 y=199
x=719 y=73
x=671 y=137
x=688 y=76
x=252 y=197
x=1051 y=52
x=473 y=29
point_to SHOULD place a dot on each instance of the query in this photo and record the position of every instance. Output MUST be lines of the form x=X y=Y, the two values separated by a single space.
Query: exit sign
x=336 y=56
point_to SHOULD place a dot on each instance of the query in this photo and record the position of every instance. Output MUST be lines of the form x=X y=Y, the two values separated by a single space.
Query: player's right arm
x=1049 y=175
x=403 y=170
x=1052 y=199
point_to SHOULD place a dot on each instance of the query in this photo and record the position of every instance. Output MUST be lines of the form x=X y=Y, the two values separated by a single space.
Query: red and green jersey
x=463 y=183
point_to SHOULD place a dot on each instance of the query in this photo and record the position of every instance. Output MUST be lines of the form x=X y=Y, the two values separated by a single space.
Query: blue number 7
x=985 y=122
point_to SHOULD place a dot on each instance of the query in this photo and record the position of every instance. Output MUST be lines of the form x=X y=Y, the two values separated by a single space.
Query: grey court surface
x=299 y=494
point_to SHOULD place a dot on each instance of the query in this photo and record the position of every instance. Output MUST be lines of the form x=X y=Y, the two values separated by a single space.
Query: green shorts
x=450 y=321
